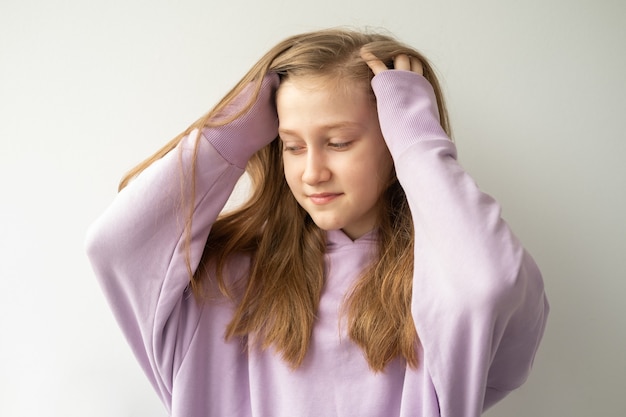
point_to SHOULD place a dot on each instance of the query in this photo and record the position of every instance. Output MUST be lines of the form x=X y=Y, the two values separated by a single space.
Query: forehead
x=321 y=101
x=339 y=85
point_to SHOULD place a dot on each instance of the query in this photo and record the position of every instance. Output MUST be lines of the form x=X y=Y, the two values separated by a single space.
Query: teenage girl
x=366 y=275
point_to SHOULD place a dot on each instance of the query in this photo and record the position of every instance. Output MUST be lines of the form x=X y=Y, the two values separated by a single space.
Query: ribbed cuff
x=407 y=109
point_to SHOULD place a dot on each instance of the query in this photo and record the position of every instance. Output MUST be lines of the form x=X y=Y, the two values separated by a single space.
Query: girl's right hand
x=239 y=139
x=262 y=115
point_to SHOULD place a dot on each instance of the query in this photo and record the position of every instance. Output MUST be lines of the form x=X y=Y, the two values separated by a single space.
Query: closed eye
x=292 y=148
x=339 y=145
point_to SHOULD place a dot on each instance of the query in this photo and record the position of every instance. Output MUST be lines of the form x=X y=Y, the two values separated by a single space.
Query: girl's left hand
x=401 y=62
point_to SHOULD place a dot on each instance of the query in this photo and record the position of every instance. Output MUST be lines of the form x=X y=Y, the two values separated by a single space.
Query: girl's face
x=336 y=161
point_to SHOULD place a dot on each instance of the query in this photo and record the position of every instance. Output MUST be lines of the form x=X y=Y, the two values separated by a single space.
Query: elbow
x=93 y=242
x=525 y=287
x=101 y=245
x=511 y=286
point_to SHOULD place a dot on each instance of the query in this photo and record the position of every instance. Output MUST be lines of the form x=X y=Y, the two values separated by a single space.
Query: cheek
x=387 y=172
x=384 y=166
x=290 y=169
x=375 y=173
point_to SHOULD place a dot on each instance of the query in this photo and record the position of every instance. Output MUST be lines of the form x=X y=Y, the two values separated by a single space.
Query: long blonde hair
x=277 y=304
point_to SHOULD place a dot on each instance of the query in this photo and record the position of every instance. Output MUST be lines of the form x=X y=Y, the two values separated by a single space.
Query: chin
x=327 y=226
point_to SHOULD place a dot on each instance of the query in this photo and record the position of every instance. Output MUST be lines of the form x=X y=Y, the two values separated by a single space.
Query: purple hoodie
x=478 y=299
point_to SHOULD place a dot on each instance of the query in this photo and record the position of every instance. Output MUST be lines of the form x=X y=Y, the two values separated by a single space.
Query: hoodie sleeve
x=478 y=298
x=137 y=250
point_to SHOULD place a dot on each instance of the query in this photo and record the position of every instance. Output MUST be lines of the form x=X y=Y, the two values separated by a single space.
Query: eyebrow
x=331 y=126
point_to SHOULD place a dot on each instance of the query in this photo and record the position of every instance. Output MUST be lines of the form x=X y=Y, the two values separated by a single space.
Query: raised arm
x=137 y=247
x=478 y=300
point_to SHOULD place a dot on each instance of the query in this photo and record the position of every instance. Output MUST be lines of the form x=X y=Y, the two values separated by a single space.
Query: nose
x=316 y=169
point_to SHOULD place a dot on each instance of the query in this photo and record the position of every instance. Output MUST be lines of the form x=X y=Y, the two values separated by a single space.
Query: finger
x=376 y=65
x=402 y=62
x=416 y=66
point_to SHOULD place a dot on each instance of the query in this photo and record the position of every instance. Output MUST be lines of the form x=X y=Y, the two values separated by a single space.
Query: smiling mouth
x=323 y=198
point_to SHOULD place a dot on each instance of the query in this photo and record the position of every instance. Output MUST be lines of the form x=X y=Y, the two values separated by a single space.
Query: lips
x=323 y=198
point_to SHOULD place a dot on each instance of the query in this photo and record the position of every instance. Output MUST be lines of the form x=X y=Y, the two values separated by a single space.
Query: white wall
x=88 y=88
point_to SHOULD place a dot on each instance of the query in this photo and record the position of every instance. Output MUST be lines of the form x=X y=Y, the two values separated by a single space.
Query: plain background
x=537 y=96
